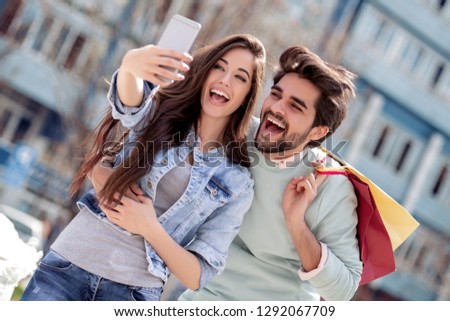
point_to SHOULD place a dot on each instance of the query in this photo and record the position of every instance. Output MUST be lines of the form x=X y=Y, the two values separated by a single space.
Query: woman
x=186 y=150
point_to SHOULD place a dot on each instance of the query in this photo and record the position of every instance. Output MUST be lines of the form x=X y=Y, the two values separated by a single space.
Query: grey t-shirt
x=100 y=249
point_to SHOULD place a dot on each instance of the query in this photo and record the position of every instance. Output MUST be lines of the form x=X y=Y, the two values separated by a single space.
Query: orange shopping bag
x=383 y=224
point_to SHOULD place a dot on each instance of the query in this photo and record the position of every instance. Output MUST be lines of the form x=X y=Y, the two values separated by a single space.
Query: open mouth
x=218 y=97
x=274 y=126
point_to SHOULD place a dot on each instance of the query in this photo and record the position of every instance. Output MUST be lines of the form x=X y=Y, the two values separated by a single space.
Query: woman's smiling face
x=227 y=83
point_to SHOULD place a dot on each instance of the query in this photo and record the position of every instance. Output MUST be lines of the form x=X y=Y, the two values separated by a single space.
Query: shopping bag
x=383 y=224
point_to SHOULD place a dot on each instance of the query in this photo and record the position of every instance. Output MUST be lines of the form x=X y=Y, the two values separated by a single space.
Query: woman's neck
x=210 y=131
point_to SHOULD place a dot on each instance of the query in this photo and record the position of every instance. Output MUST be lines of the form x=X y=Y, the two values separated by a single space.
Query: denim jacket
x=208 y=215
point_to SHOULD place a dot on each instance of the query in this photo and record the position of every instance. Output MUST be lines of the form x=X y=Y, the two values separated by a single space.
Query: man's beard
x=286 y=143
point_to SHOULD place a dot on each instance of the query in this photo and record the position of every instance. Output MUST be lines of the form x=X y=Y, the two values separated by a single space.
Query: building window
x=8 y=13
x=380 y=30
x=74 y=52
x=60 y=39
x=411 y=56
x=44 y=30
x=437 y=75
x=443 y=263
x=162 y=11
x=440 y=181
x=403 y=156
x=5 y=116
x=441 y=4
x=22 y=129
x=16 y=115
x=417 y=58
x=381 y=141
x=383 y=36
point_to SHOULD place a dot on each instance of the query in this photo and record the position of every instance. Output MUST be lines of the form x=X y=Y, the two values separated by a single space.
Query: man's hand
x=298 y=196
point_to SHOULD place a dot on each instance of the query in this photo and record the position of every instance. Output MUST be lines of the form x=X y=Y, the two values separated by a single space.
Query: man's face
x=287 y=116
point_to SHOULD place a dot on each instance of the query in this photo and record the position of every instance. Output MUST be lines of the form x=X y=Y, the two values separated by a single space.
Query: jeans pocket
x=55 y=262
x=145 y=294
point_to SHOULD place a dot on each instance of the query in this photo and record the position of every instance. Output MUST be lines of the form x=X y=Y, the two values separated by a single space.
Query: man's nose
x=279 y=107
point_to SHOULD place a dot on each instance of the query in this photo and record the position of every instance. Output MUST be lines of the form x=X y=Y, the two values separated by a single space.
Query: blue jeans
x=57 y=279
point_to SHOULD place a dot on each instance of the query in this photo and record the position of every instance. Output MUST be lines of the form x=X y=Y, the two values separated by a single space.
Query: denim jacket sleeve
x=131 y=117
x=222 y=226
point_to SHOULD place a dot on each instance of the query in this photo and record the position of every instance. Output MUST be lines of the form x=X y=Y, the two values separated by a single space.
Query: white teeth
x=273 y=121
x=220 y=93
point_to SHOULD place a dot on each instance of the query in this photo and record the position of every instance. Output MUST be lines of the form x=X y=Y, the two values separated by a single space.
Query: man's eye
x=275 y=94
x=295 y=106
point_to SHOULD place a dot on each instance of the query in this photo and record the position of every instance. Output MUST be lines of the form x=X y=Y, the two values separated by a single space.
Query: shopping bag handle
x=341 y=170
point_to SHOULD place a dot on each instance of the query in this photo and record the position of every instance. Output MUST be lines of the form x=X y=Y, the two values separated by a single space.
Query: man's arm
x=336 y=270
x=297 y=198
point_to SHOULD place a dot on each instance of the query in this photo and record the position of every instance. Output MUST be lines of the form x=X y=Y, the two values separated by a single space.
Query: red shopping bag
x=383 y=224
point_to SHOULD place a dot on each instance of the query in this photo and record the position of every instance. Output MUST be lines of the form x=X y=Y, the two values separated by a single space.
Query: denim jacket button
x=185 y=198
x=164 y=161
x=149 y=184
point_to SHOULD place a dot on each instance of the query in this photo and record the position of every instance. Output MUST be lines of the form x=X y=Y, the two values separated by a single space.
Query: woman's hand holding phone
x=154 y=64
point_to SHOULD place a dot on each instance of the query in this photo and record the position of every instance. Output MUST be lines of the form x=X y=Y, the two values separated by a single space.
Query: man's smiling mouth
x=273 y=125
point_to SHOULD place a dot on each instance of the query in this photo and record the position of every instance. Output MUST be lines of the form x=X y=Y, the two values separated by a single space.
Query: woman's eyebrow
x=241 y=69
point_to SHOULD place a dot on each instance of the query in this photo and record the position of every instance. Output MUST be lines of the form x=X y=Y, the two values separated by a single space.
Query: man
x=298 y=240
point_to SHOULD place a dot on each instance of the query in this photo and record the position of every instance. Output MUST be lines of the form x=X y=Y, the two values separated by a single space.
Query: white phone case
x=179 y=34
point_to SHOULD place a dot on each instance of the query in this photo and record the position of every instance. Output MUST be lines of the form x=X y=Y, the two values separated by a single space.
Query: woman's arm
x=204 y=257
x=99 y=176
x=139 y=217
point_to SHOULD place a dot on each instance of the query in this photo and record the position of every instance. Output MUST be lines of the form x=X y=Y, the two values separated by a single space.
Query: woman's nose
x=225 y=80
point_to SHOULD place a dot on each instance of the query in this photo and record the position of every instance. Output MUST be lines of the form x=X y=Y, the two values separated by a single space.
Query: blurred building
x=56 y=58
x=398 y=132
x=48 y=54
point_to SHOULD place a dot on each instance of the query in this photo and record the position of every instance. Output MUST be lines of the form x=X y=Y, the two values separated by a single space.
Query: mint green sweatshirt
x=262 y=262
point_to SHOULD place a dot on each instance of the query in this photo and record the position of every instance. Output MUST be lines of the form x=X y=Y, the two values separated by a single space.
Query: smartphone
x=179 y=34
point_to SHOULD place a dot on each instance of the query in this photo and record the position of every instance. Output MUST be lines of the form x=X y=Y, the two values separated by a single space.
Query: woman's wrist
x=155 y=231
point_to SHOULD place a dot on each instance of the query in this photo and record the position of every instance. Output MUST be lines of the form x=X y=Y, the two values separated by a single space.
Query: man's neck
x=286 y=160
x=285 y=155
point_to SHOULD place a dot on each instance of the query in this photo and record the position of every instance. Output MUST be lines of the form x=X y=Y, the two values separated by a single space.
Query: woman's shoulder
x=235 y=175
x=236 y=168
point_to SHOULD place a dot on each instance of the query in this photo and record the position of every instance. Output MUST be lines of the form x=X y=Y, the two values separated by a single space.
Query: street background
x=56 y=58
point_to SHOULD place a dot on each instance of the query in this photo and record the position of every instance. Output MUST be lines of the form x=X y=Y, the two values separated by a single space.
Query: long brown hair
x=177 y=110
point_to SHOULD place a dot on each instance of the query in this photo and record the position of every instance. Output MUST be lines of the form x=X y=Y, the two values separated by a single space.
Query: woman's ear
x=318 y=132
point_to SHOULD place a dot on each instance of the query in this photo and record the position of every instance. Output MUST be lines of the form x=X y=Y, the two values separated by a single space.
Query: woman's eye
x=241 y=78
x=219 y=67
